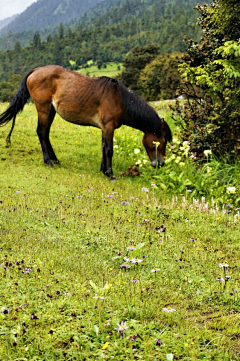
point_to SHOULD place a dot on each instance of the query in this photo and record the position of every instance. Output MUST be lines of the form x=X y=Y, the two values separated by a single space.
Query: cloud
x=12 y=7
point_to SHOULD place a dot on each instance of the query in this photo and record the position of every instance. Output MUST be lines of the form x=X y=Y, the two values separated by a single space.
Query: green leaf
x=137 y=249
x=94 y=286
x=96 y=329
x=163 y=186
x=106 y=287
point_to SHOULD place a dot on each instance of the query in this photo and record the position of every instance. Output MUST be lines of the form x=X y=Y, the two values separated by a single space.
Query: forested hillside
x=174 y=16
x=45 y=13
x=107 y=33
x=5 y=22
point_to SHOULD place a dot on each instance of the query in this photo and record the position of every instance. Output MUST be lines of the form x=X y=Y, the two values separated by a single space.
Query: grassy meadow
x=111 y=69
x=143 y=268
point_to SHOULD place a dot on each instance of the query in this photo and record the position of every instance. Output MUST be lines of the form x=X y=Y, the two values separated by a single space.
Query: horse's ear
x=168 y=132
x=165 y=127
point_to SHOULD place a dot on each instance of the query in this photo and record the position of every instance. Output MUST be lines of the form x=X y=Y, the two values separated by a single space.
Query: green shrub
x=210 y=74
x=160 y=78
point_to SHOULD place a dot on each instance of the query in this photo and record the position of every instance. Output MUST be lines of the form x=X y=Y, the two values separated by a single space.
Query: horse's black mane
x=141 y=113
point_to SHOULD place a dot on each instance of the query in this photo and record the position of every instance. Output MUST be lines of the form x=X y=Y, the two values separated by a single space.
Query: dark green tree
x=210 y=75
x=69 y=33
x=8 y=88
x=160 y=78
x=61 y=31
x=49 y=38
x=139 y=57
x=57 y=51
x=37 y=41
x=17 y=47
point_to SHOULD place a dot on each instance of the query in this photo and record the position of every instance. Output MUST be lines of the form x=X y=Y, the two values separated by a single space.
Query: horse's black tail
x=16 y=105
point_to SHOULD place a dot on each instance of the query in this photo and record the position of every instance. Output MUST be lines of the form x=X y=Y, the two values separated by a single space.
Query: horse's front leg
x=107 y=151
x=104 y=160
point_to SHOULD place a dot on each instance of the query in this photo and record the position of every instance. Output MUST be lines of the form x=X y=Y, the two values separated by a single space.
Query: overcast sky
x=12 y=7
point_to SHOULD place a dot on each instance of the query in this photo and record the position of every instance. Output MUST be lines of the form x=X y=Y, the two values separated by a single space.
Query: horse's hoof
x=49 y=164
x=113 y=179
x=56 y=161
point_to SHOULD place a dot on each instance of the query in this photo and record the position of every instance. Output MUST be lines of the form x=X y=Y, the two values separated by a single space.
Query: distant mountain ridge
x=6 y=21
x=45 y=13
x=105 y=33
x=139 y=15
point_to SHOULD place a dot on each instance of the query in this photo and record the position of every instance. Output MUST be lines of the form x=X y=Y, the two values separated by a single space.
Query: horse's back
x=54 y=78
x=76 y=98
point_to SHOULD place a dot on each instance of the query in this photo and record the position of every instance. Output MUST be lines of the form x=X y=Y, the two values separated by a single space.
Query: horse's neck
x=133 y=124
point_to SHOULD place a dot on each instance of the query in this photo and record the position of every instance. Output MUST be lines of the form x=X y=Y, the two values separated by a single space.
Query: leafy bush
x=134 y=62
x=160 y=78
x=211 y=78
x=8 y=88
x=215 y=180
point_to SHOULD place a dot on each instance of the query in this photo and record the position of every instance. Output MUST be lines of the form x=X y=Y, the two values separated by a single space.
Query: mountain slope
x=137 y=16
x=45 y=13
x=106 y=34
x=7 y=21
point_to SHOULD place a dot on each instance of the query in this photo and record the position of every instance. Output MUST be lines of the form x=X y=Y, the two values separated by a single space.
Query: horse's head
x=155 y=145
x=155 y=148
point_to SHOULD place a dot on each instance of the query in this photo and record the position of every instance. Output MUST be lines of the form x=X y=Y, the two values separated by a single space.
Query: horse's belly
x=78 y=117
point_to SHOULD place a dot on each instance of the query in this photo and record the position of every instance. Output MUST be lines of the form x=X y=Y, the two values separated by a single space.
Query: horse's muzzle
x=157 y=164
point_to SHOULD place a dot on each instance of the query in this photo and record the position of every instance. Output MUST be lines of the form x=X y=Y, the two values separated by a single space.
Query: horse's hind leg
x=50 y=149
x=45 y=119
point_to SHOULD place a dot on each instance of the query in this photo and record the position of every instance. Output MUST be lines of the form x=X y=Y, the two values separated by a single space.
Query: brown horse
x=101 y=102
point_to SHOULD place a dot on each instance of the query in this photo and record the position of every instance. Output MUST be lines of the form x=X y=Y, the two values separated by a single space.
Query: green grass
x=64 y=234
x=111 y=70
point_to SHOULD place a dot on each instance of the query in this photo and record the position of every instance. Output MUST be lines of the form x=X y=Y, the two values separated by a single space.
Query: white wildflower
x=207 y=152
x=231 y=190
x=168 y=309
